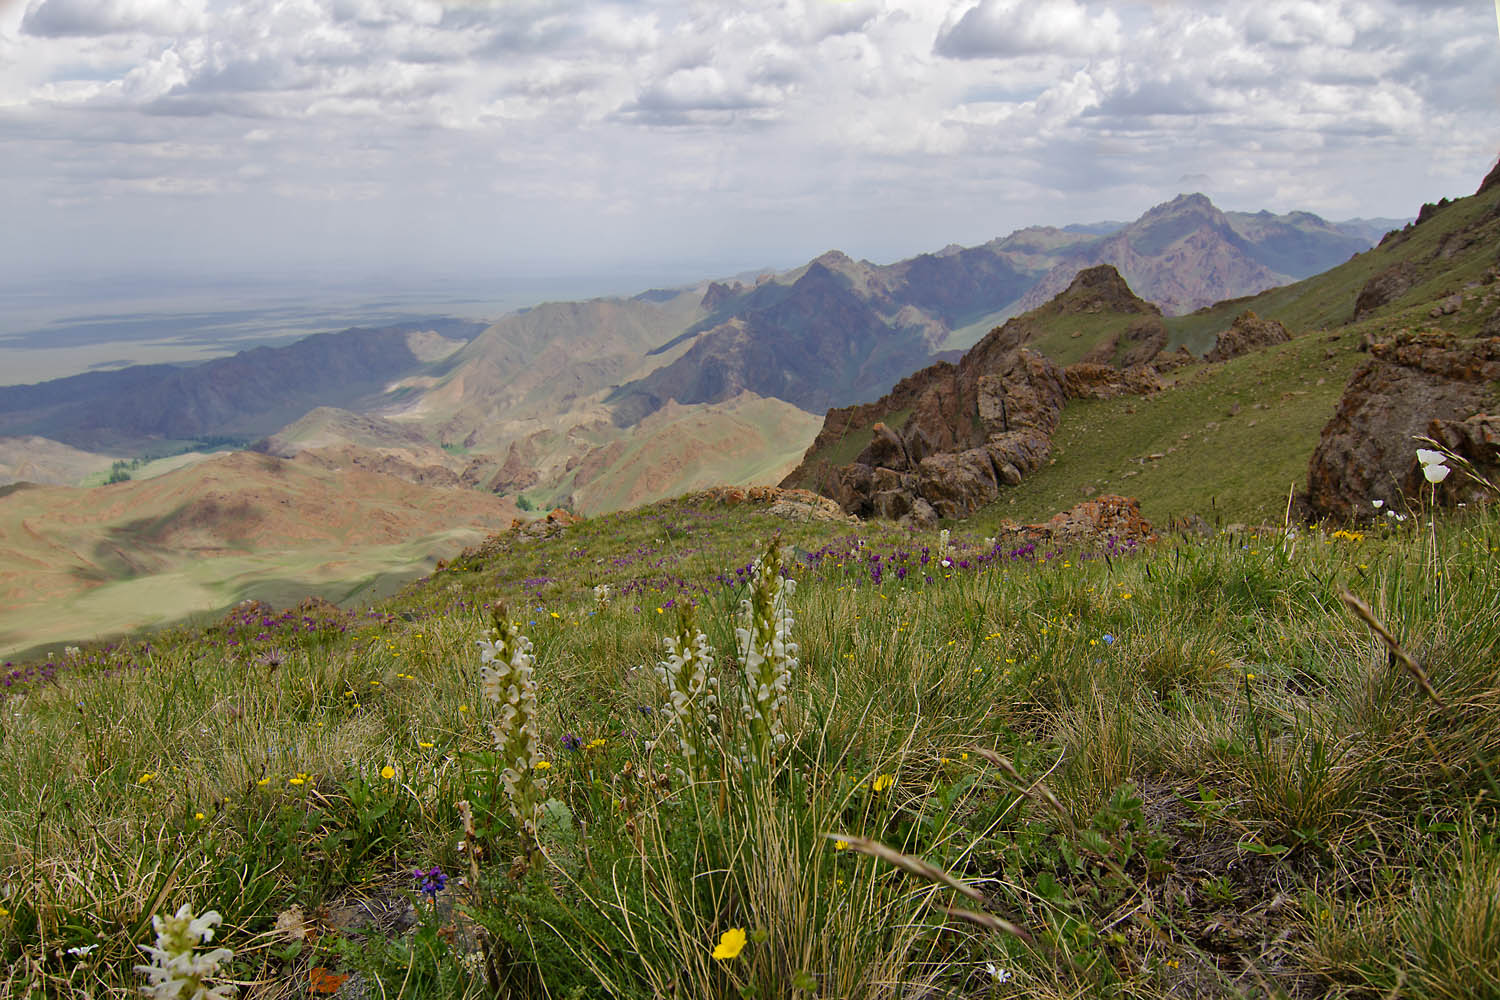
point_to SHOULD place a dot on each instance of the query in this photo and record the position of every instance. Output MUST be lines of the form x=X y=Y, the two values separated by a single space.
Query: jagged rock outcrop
x=1491 y=179
x=1414 y=385
x=1385 y=287
x=1247 y=333
x=975 y=428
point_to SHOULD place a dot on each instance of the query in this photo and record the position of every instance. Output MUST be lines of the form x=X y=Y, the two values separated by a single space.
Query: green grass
x=1231 y=440
x=1186 y=771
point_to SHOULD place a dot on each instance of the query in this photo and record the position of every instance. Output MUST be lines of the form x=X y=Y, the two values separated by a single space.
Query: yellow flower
x=556 y=615
x=388 y=772
x=731 y=944
x=300 y=779
x=883 y=782
x=542 y=765
x=1249 y=677
x=841 y=845
x=425 y=746
x=198 y=815
x=263 y=782
x=145 y=777
x=463 y=708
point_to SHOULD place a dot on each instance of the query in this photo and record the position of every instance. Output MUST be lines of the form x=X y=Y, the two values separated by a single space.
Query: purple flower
x=571 y=742
x=432 y=881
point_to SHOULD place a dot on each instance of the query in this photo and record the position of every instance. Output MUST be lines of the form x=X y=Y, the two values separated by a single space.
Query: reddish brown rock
x=1097 y=521
x=1414 y=384
x=1087 y=381
x=1247 y=333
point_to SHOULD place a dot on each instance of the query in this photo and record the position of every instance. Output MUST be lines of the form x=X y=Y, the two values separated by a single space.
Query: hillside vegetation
x=1180 y=769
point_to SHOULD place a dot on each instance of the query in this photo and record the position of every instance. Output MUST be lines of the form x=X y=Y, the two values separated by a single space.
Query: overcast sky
x=417 y=137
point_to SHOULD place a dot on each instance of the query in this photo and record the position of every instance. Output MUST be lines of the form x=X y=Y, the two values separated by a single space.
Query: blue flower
x=1109 y=640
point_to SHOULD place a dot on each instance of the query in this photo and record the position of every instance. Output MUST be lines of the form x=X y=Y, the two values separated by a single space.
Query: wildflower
x=595 y=744
x=425 y=745
x=602 y=594
x=83 y=950
x=730 y=944
x=541 y=765
x=506 y=680
x=1432 y=465
x=997 y=974
x=883 y=782
x=300 y=779
x=432 y=881
x=1377 y=504
x=571 y=742
x=692 y=686
x=198 y=816
x=148 y=776
x=766 y=650
x=1109 y=640
x=388 y=772
x=841 y=845
x=177 y=971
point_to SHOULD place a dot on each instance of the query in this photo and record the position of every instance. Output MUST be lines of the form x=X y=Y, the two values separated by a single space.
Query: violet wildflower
x=431 y=882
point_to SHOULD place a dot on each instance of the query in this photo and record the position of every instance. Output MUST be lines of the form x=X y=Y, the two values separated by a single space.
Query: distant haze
x=411 y=142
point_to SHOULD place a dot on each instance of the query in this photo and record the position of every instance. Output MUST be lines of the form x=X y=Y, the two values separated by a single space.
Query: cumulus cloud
x=1004 y=28
x=65 y=18
x=563 y=126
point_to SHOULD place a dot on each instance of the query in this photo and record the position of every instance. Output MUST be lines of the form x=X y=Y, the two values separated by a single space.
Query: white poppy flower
x=1429 y=457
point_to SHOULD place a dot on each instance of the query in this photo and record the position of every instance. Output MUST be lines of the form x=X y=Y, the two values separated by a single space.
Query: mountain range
x=610 y=403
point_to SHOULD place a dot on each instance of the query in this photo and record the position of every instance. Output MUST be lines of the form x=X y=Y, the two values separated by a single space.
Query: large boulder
x=1109 y=519
x=1089 y=381
x=1384 y=288
x=1413 y=384
x=1247 y=333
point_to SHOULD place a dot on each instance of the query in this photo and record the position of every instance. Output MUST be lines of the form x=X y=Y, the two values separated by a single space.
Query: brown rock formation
x=1098 y=520
x=1247 y=333
x=1139 y=344
x=974 y=428
x=1491 y=180
x=790 y=505
x=1086 y=381
x=1415 y=385
x=1384 y=288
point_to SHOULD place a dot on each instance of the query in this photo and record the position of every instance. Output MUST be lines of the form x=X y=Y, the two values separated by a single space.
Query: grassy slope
x=1239 y=470
x=1250 y=797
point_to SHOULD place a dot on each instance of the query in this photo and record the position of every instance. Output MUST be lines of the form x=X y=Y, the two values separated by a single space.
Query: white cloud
x=63 y=18
x=560 y=129
x=1004 y=28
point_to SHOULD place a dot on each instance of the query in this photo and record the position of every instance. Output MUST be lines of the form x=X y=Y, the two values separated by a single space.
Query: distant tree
x=524 y=504
x=119 y=472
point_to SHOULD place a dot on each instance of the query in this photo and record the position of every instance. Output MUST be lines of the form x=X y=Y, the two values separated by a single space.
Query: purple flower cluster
x=432 y=881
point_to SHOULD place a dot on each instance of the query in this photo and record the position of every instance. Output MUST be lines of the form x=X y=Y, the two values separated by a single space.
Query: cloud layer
x=419 y=135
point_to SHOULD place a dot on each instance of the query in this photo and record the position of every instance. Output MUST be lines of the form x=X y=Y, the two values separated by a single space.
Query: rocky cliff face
x=1414 y=385
x=973 y=428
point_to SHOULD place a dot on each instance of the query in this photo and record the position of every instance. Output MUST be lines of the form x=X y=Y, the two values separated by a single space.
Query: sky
x=420 y=140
